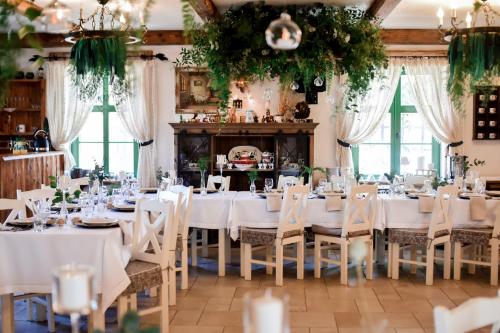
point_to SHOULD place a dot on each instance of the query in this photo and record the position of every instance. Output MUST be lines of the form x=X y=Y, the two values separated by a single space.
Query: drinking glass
x=179 y=181
x=479 y=186
x=41 y=213
x=117 y=196
x=87 y=208
x=268 y=184
x=322 y=185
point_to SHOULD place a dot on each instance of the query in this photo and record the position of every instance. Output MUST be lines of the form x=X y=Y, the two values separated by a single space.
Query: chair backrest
x=468 y=316
x=293 y=209
x=441 y=213
x=29 y=197
x=16 y=206
x=154 y=234
x=182 y=207
x=360 y=209
x=223 y=181
x=282 y=180
x=411 y=180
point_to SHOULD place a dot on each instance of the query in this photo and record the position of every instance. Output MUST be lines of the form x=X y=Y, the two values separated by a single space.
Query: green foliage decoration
x=334 y=41
x=58 y=197
x=253 y=175
x=203 y=163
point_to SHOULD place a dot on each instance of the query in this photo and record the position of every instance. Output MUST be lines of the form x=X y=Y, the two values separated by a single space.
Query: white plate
x=231 y=156
x=243 y=167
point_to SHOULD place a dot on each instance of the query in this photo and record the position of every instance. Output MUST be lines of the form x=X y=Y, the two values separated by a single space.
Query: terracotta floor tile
x=426 y=319
x=368 y=305
x=222 y=292
x=191 y=303
x=195 y=329
x=420 y=292
x=455 y=293
x=186 y=317
x=219 y=304
x=421 y=305
x=312 y=319
x=348 y=319
x=323 y=330
x=350 y=293
x=392 y=320
x=213 y=318
x=233 y=329
x=330 y=305
x=410 y=330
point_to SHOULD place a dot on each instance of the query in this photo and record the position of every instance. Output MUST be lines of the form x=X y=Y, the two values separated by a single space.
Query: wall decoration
x=334 y=41
x=193 y=93
x=486 y=120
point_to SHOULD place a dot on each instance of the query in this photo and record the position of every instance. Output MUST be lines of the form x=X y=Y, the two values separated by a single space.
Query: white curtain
x=428 y=79
x=66 y=113
x=355 y=127
x=138 y=112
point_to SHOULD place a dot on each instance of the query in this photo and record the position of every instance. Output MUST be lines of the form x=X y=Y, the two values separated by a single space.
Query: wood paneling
x=382 y=8
x=412 y=37
x=29 y=172
x=204 y=8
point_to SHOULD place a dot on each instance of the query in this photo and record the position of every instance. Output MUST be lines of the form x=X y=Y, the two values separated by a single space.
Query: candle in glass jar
x=74 y=293
x=268 y=314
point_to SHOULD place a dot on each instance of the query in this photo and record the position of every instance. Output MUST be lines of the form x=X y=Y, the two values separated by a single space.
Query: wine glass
x=179 y=181
x=268 y=184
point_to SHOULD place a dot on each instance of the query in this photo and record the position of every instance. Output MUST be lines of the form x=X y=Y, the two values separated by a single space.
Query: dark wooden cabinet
x=291 y=143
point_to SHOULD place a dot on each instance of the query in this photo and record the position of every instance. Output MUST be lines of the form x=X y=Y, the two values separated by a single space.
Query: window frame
x=105 y=108
x=396 y=110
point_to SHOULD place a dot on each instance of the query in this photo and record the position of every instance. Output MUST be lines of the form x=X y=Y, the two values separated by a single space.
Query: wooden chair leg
x=269 y=258
x=242 y=259
x=447 y=260
x=389 y=260
x=204 y=243
x=132 y=299
x=153 y=292
x=172 y=285
x=413 y=257
x=300 y=260
x=457 y=261
x=228 y=248
x=369 y=261
x=121 y=308
x=164 y=315
x=29 y=310
x=248 y=261
x=395 y=261
x=279 y=263
x=344 y=254
x=194 y=248
x=51 y=322
x=7 y=313
x=472 y=256
x=429 y=270
x=184 y=265
x=494 y=262
x=317 y=258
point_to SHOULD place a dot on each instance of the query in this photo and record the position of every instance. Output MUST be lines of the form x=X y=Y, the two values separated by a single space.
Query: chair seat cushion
x=264 y=236
x=143 y=275
x=337 y=232
x=412 y=236
x=472 y=236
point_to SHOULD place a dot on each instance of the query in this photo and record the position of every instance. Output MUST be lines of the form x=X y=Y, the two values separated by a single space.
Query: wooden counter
x=28 y=172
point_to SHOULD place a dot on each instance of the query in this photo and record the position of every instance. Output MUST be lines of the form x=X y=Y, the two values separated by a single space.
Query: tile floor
x=214 y=305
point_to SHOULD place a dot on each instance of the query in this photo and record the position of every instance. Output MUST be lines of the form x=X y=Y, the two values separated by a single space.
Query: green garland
x=474 y=61
x=334 y=41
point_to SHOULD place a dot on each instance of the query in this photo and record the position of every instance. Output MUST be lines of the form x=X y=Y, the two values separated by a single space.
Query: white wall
x=320 y=113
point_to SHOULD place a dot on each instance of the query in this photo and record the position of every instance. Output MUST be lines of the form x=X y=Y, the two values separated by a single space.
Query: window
x=105 y=140
x=402 y=143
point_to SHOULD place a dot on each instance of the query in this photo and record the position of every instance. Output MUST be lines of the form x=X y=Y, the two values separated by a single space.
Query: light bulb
x=283 y=33
x=55 y=17
x=468 y=20
x=123 y=20
x=294 y=86
x=440 y=15
x=318 y=82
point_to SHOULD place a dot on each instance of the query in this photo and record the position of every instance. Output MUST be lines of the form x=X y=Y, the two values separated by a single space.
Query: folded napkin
x=273 y=202
x=425 y=204
x=333 y=203
x=477 y=208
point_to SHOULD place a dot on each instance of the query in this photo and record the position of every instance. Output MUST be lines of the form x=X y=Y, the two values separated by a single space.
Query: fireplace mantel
x=244 y=128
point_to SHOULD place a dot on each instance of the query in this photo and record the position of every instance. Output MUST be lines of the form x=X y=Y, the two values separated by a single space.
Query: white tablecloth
x=212 y=210
x=402 y=212
x=251 y=211
x=27 y=259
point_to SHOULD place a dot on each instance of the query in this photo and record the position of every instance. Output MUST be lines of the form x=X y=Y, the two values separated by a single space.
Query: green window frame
x=106 y=108
x=396 y=110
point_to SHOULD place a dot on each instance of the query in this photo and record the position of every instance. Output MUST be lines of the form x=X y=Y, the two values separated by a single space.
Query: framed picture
x=192 y=91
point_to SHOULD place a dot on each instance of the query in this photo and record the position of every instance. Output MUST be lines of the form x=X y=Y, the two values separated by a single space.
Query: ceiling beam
x=412 y=37
x=382 y=8
x=204 y=8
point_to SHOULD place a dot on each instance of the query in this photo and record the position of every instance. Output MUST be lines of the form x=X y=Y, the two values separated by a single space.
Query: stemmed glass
x=63 y=185
x=41 y=212
x=268 y=184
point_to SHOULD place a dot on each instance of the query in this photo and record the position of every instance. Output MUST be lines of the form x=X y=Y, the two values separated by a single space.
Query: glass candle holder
x=264 y=312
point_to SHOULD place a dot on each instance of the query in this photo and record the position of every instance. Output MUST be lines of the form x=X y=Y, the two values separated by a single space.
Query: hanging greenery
x=334 y=41
x=474 y=60
x=93 y=59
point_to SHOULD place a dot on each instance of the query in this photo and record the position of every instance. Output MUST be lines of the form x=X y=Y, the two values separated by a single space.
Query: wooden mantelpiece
x=291 y=143
x=244 y=128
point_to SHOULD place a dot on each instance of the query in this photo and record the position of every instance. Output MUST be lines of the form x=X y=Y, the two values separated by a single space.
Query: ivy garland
x=334 y=41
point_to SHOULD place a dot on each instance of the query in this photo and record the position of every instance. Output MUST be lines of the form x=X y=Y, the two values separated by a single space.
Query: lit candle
x=440 y=15
x=453 y=10
x=268 y=312
x=468 y=20
x=72 y=290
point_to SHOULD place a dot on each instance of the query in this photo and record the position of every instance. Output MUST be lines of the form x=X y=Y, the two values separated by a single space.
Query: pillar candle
x=74 y=293
x=268 y=314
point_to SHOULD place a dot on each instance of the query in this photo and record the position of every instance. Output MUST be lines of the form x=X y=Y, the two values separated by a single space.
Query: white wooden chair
x=153 y=257
x=437 y=233
x=282 y=180
x=182 y=198
x=224 y=182
x=17 y=209
x=290 y=231
x=359 y=215
x=471 y=315
x=29 y=197
x=477 y=240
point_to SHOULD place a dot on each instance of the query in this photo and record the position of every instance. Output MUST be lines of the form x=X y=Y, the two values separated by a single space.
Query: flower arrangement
x=334 y=41
x=58 y=197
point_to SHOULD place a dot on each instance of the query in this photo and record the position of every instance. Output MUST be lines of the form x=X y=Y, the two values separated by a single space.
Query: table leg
x=8 y=313
x=228 y=248
x=96 y=318
x=194 y=248
x=222 y=252
x=380 y=247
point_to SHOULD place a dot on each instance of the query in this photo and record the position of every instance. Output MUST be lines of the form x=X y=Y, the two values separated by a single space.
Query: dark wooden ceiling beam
x=412 y=37
x=204 y=8
x=382 y=8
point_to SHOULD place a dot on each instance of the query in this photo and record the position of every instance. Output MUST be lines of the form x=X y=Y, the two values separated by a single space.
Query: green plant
x=58 y=197
x=334 y=41
x=309 y=170
x=203 y=163
x=131 y=324
x=468 y=164
x=253 y=175
x=98 y=173
x=437 y=182
x=160 y=174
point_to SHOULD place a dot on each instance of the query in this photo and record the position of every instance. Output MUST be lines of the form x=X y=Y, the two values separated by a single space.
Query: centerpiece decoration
x=474 y=51
x=333 y=41
x=203 y=165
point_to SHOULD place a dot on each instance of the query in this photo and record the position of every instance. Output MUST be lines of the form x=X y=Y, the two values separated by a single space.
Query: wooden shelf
x=22 y=110
x=25 y=81
x=16 y=134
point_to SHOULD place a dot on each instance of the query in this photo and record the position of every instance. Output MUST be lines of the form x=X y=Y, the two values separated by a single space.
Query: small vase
x=203 y=188
x=253 y=188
